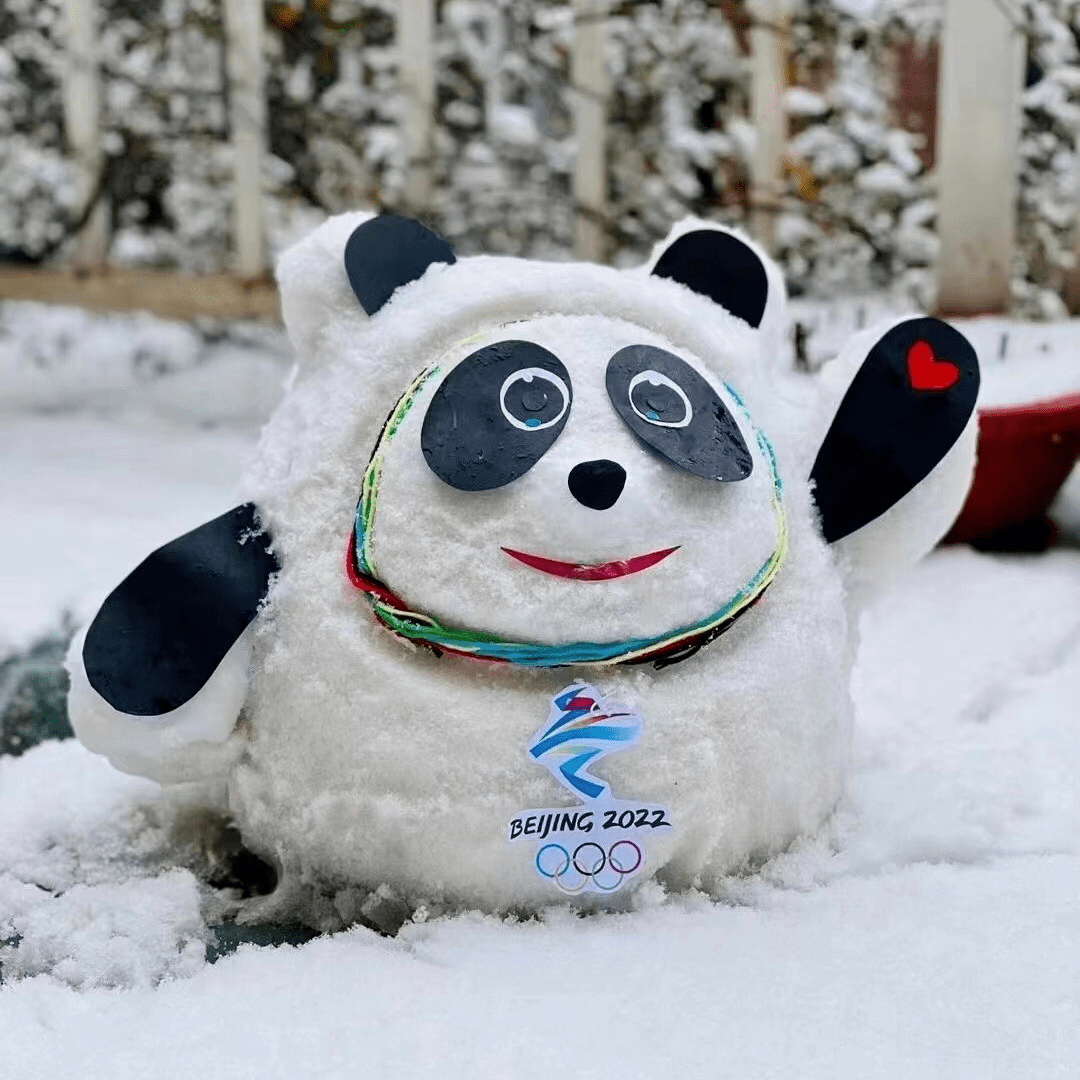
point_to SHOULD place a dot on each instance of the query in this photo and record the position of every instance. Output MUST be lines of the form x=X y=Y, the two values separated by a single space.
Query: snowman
x=546 y=579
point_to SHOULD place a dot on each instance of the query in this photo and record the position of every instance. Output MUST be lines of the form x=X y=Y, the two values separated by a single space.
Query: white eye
x=659 y=400
x=533 y=399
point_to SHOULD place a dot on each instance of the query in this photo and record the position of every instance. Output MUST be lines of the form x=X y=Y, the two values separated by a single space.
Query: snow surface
x=55 y=358
x=85 y=500
x=930 y=931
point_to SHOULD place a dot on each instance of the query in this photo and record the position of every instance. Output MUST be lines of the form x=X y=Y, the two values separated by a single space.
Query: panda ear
x=388 y=251
x=314 y=288
x=909 y=402
x=728 y=268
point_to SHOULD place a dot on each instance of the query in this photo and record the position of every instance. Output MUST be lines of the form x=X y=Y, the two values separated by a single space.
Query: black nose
x=597 y=484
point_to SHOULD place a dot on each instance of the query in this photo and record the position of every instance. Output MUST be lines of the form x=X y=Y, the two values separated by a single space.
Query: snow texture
x=930 y=930
x=60 y=359
x=931 y=933
x=102 y=515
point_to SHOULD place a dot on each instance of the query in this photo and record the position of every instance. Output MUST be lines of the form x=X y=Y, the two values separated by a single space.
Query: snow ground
x=930 y=931
x=85 y=499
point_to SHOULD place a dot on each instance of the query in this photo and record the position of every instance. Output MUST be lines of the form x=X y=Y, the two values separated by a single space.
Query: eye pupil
x=659 y=401
x=533 y=399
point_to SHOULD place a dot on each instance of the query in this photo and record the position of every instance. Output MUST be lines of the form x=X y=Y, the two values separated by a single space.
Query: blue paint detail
x=568 y=751
x=651 y=415
x=358 y=545
x=570 y=769
x=533 y=421
x=738 y=401
x=605 y=734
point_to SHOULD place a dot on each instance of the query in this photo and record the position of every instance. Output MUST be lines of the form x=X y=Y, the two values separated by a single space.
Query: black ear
x=906 y=406
x=388 y=251
x=165 y=628
x=720 y=266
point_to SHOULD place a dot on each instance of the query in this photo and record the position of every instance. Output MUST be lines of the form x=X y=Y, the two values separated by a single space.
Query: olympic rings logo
x=590 y=863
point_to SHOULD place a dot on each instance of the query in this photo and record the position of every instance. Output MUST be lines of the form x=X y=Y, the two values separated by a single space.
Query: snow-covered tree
x=860 y=205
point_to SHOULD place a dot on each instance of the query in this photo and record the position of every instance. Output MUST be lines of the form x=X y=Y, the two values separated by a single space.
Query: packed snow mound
x=89 y=888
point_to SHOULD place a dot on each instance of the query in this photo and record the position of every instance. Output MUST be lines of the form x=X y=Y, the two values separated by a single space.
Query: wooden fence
x=980 y=77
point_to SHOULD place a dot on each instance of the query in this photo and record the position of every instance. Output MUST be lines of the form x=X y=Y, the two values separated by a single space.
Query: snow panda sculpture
x=547 y=577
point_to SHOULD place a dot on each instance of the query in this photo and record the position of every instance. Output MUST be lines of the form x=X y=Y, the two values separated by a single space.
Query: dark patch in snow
x=233 y=866
x=228 y=937
x=33 y=694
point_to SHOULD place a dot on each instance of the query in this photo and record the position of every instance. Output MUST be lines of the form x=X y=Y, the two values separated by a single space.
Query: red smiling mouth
x=586 y=572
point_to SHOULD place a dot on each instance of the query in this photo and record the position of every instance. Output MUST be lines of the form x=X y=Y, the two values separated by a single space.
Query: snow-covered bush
x=334 y=101
x=872 y=214
x=38 y=185
x=860 y=202
x=1049 y=172
x=39 y=190
x=504 y=138
x=678 y=134
x=860 y=206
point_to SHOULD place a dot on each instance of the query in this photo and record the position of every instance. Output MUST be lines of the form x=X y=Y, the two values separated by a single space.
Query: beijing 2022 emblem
x=599 y=845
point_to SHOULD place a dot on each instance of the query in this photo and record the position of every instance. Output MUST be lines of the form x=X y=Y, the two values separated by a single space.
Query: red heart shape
x=926 y=371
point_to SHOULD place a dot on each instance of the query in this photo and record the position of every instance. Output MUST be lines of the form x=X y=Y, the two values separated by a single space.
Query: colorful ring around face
x=669 y=648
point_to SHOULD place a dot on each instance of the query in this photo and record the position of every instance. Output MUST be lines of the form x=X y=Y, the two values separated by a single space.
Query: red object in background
x=1025 y=454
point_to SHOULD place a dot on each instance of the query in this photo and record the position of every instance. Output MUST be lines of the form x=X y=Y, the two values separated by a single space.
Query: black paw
x=904 y=410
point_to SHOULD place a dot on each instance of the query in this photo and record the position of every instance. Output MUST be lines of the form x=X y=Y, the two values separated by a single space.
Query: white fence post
x=978 y=128
x=244 y=63
x=416 y=29
x=769 y=34
x=82 y=120
x=589 y=79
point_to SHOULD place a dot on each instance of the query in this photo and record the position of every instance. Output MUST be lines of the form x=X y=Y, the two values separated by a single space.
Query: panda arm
x=894 y=468
x=160 y=675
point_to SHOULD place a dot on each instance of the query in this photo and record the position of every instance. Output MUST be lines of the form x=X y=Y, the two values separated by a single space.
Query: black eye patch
x=673 y=410
x=496 y=415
